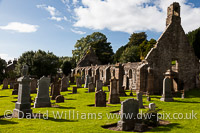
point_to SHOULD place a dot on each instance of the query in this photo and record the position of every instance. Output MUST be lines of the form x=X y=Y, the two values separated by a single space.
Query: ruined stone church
x=172 y=51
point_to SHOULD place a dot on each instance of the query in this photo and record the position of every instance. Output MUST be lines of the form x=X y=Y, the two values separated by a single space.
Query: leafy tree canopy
x=2 y=69
x=98 y=42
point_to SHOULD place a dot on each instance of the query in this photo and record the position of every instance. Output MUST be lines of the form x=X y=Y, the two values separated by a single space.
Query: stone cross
x=42 y=99
x=114 y=92
x=128 y=107
x=23 y=105
x=100 y=99
x=140 y=100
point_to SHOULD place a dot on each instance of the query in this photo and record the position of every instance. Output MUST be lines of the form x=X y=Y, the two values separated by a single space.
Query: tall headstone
x=114 y=92
x=74 y=90
x=119 y=72
x=42 y=99
x=100 y=99
x=99 y=85
x=78 y=82
x=91 y=87
x=64 y=84
x=140 y=100
x=15 y=89
x=167 y=87
x=128 y=107
x=23 y=105
x=96 y=77
x=87 y=80
x=56 y=89
x=5 y=83
x=33 y=86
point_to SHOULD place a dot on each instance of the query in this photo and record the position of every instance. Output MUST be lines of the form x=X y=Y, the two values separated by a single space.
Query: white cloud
x=60 y=27
x=6 y=57
x=132 y=15
x=54 y=13
x=20 y=27
x=78 y=31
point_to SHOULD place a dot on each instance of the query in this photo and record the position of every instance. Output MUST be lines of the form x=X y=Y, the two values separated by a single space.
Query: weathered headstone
x=78 y=82
x=100 y=99
x=99 y=85
x=74 y=90
x=91 y=87
x=167 y=87
x=148 y=98
x=56 y=89
x=5 y=83
x=33 y=86
x=87 y=81
x=23 y=105
x=15 y=88
x=140 y=100
x=60 y=99
x=64 y=84
x=128 y=107
x=114 y=92
x=42 y=99
x=152 y=106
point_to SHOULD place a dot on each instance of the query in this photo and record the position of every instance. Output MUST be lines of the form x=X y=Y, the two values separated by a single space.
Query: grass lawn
x=78 y=104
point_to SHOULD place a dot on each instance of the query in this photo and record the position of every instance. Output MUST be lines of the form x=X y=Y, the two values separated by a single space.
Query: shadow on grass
x=3 y=96
x=168 y=127
x=70 y=99
x=185 y=101
x=60 y=120
x=61 y=107
x=5 y=122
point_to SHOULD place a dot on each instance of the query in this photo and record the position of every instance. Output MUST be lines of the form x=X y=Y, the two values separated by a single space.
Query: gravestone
x=42 y=99
x=11 y=82
x=33 y=86
x=99 y=85
x=140 y=100
x=100 y=99
x=72 y=79
x=74 y=90
x=60 y=99
x=23 y=105
x=15 y=89
x=148 y=98
x=114 y=92
x=78 y=82
x=56 y=89
x=128 y=107
x=167 y=87
x=96 y=77
x=83 y=79
x=91 y=87
x=64 y=84
x=5 y=83
x=87 y=80
x=152 y=106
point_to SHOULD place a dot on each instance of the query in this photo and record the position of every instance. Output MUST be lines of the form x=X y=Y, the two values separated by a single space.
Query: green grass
x=79 y=102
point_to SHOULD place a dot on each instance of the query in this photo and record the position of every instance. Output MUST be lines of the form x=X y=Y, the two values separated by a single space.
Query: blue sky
x=56 y=25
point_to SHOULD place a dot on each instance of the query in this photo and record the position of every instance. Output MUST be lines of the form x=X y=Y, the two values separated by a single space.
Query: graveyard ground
x=79 y=102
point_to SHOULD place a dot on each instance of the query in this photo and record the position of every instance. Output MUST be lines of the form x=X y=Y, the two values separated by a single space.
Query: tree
x=130 y=54
x=145 y=47
x=137 y=38
x=2 y=69
x=66 y=67
x=40 y=63
x=194 y=40
x=118 y=54
x=98 y=42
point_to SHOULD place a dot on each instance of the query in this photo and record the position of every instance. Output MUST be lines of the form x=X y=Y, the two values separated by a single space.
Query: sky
x=56 y=25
